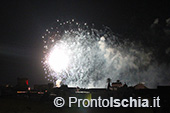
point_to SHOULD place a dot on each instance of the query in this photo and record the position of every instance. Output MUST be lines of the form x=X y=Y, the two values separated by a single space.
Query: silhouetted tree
x=108 y=81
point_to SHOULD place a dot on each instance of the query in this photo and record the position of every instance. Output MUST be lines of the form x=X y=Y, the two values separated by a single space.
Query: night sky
x=23 y=23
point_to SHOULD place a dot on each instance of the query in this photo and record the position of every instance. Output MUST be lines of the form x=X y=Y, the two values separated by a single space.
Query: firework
x=81 y=55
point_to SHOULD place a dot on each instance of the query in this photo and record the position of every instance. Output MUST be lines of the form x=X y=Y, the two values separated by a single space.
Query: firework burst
x=80 y=55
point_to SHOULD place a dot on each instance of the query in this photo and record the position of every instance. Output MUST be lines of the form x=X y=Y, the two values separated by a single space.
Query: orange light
x=40 y=92
x=21 y=91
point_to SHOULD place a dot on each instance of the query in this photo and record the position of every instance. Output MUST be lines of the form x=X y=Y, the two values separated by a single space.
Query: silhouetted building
x=140 y=86
x=43 y=87
x=22 y=84
x=116 y=85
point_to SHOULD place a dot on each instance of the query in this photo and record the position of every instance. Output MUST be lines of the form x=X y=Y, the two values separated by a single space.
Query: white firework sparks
x=80 y=55
x=58 y=59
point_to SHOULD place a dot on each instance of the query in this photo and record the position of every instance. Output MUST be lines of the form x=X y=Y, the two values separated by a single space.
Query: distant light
x=58 y=82
x=26 y=82
x=7 y=85
x=19 y=92
x=40 y=93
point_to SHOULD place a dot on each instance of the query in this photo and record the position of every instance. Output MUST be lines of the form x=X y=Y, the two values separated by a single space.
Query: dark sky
x=23 y=23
